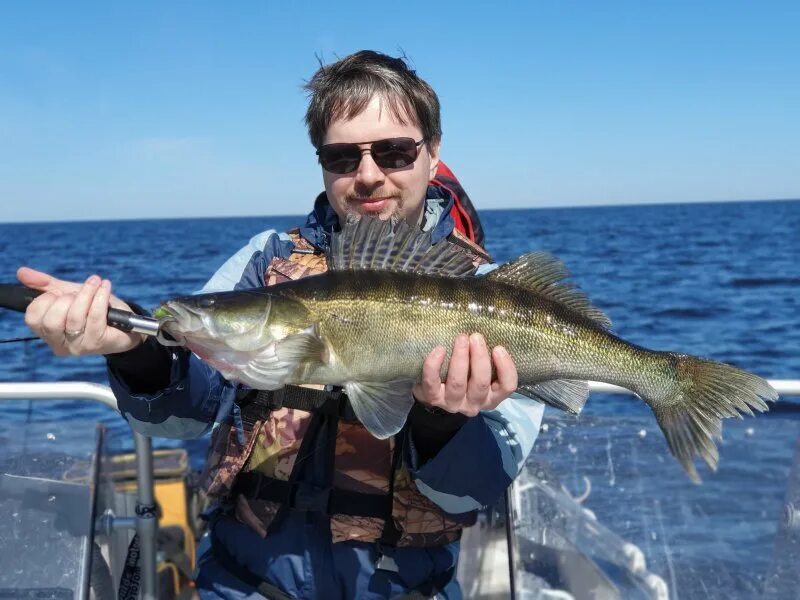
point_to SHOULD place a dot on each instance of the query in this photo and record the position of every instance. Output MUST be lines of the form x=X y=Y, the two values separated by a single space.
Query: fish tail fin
x=691 y=409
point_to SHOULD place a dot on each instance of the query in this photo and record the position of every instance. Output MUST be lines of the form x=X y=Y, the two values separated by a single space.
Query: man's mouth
x=376 y=204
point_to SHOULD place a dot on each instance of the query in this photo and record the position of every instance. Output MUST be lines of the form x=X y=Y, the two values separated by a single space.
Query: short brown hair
x=342 y=90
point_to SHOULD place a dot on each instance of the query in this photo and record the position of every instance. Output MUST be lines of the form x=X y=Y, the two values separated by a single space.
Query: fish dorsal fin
x=544 y=274
x=394 y=245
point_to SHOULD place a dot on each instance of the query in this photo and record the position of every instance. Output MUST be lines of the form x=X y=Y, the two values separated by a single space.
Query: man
x=309 y=504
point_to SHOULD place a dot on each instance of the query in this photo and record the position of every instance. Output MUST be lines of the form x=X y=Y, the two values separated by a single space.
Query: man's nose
x=368 y=173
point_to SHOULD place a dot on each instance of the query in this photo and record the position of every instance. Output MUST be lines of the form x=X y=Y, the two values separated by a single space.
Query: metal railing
x=784 y=387
x=146 y=522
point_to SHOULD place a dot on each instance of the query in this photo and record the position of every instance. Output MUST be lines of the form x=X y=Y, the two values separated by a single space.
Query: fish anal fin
x=381 y=407
x=565 y=394
x=544 y=274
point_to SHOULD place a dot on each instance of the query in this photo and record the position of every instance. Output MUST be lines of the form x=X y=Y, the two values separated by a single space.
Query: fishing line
x=20 y=339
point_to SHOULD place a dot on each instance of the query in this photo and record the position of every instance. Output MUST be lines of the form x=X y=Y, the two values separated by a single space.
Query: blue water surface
x=720 y=280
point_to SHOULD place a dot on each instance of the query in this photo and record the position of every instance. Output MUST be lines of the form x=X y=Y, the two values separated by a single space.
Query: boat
x=94 y=522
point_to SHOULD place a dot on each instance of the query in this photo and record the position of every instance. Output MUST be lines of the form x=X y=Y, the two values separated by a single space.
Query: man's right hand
x=71 y=317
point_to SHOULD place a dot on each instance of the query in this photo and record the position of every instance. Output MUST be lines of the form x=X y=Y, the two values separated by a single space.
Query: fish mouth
x=176 y=321
x=176 y=312
x=163 y=313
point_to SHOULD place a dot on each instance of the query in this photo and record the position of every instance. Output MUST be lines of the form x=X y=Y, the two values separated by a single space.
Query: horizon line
x=481 y=210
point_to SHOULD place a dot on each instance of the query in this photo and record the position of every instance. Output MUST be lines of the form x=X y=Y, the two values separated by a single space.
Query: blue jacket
x=469 y=472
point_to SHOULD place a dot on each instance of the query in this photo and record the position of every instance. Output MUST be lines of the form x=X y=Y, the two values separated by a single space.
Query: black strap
x=229 y=563
x=303 y=496
x=254 y=403
x=391 y=534
x=131 y=573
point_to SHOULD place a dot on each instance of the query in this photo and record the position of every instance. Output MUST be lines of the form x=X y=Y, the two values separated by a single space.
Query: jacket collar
x=322 y=220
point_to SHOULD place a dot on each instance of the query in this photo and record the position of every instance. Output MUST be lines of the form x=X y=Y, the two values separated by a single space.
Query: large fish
x=390 y=297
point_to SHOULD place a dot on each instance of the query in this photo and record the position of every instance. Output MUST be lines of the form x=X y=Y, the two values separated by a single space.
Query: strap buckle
x=385 y=560
x=258 y=402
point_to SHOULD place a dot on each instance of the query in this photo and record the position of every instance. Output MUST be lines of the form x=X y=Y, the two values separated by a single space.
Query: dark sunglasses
x=391 y=153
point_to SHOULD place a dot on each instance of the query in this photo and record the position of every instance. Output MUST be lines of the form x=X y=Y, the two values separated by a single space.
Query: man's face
x=371 y=190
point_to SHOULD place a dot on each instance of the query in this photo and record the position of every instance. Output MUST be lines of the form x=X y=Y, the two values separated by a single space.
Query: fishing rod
x=18 y=297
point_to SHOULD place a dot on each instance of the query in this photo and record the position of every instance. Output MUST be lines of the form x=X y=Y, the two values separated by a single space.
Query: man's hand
x=71 y=317
x=469 y=388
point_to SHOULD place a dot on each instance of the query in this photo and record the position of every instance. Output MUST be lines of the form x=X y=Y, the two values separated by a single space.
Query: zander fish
x=389 y=297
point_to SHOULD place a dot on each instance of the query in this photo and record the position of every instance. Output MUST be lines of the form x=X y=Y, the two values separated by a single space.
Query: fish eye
x=206 y=302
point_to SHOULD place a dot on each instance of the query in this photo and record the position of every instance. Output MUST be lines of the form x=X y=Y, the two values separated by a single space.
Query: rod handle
x=17 y=297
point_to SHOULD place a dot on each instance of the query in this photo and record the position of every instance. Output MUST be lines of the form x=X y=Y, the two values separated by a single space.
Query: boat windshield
x=643 y=529
x=47 y=513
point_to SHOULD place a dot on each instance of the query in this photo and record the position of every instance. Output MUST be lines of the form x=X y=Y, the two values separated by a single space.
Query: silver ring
x=72 y=335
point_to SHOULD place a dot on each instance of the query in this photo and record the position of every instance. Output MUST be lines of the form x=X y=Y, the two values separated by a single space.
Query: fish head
x=230 y=330
x=214 y=316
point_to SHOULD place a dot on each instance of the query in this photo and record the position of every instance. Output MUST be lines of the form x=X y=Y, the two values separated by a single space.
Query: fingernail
x=477 y=339
x=462 y=341
x=501 y=351
x=106 y=284
x=93 y=280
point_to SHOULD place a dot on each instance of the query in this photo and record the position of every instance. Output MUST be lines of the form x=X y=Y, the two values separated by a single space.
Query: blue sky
x=150 y=110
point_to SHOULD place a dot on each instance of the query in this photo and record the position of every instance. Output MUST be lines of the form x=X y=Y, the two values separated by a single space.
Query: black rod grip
x=17 y=297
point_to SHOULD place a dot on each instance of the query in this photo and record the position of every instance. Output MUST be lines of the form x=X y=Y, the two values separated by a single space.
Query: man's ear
x=433 y=150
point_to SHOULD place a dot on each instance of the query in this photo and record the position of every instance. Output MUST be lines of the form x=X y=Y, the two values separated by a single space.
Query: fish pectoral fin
x=279 y=360
x=381 y=407
x=303 y=347
x=565 y=394
x=265 y=370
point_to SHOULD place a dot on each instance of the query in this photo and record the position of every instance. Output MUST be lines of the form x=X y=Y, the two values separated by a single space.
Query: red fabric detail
x=444 y=171
x=462 y=220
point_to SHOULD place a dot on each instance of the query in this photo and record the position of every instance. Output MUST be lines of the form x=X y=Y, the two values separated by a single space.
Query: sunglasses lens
x=340 y=158
x=394 y=153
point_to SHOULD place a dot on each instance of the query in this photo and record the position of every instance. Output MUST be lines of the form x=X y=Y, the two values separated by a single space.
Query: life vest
x=370 y=496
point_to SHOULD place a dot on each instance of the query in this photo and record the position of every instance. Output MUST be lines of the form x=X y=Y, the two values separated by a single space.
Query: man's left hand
x=469 y=388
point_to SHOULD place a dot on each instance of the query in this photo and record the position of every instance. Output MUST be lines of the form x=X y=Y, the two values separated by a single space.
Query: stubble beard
x=355 y=205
